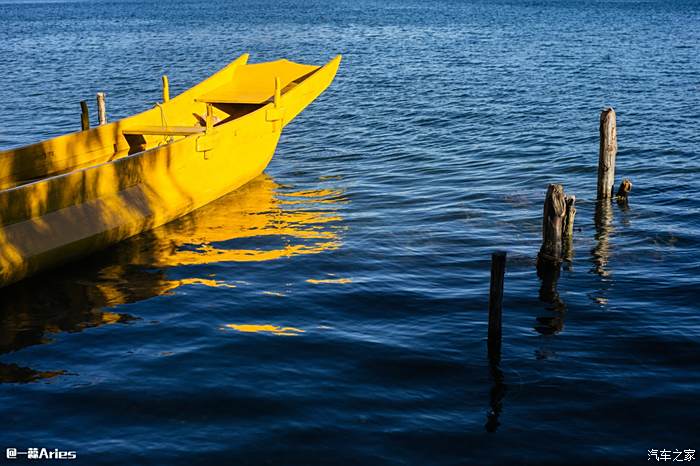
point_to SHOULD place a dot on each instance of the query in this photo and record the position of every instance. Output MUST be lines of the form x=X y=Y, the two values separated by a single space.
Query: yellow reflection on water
x=329 y=280
x=259 y=222
x=252 y=328
x=172 y=284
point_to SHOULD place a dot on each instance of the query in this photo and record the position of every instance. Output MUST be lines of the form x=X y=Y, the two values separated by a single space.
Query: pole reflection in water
x=600 y=254
x=549 y=276
x=624 y=204
x=568 y=252
x=261 y=221
x=603 y=226
x=496 y=396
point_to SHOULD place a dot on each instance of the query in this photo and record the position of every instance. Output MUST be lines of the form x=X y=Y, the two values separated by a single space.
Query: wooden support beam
x=210 y=117
x=84 y=116
x=606 y=154
x=101 y=108
x=498 y=269
x=163 y=131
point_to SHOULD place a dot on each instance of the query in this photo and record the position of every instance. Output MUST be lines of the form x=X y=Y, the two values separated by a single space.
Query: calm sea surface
x=333 y=311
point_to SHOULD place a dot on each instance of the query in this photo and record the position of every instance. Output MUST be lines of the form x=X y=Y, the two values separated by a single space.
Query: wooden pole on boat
x=209 y=118
x=278 y=92
x=101 y=109
x=84 y=116
x=498 y=269
x=606 y=154
x=166 y=89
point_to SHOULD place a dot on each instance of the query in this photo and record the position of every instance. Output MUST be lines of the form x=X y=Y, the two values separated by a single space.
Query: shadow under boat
x=87 y=293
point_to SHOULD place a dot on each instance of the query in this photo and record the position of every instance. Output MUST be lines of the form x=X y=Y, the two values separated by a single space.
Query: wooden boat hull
x=64 y=216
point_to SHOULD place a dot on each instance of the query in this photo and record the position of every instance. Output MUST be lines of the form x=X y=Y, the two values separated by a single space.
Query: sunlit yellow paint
x=88 y=192
x=253 y=328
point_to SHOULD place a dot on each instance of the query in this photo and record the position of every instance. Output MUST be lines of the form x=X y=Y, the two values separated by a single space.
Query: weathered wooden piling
x=498 y=269
x=569 y=216
x=552 y=224
x=606 y=154
x=166 y=89
x=101 y=108
x=624 y=189
x=84 y=116
x=568 y=229
x=550 y=257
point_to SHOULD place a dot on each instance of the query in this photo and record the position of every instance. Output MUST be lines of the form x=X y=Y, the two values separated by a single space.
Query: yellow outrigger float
x=69 y=196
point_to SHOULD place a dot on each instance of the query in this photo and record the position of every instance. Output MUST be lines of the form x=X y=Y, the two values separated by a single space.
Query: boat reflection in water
x=83 y=294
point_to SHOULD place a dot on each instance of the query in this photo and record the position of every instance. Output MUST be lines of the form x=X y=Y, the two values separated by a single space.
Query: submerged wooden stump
x=550 y=257
x=606 y=154
x=552 y=224
x=624 y=189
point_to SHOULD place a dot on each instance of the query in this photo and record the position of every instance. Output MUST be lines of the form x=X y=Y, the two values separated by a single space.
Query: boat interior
x=235 y=91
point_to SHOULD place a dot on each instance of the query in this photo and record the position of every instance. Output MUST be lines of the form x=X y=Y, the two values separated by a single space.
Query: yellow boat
x=69 y=196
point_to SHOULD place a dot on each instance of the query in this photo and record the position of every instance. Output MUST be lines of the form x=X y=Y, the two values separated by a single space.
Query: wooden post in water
x=498 y=269
x=166 y=89
x=550 y=257
x=569 y=216
x=624 y=190
x=552 y=224
x=568 y=228
x=84 y=116
x=606 y=154
x=101 y=110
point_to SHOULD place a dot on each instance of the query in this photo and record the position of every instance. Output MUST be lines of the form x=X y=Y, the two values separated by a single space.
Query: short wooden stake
x=498 y=269
x=166 y=89
x=569 y=216
x=101 y=109
x=624 y=190
x=606 y=154
x=568 y=228
x=84 y=116
x=552 y=224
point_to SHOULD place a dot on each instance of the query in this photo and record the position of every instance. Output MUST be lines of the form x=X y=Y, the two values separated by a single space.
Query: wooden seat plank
x=164 y=130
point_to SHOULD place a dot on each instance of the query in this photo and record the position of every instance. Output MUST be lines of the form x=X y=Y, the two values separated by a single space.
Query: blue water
x=334 y=310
